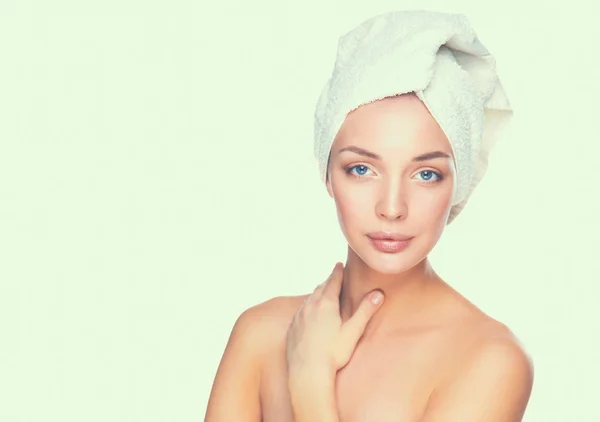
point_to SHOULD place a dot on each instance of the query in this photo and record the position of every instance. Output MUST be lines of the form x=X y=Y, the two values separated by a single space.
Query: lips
x=391 y=236
x=387 y=245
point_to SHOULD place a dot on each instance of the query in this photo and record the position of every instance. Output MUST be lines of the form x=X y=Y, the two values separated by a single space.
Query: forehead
x=400 y=122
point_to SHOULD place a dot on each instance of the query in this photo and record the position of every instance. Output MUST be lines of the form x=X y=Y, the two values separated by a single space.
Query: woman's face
x=391 y=169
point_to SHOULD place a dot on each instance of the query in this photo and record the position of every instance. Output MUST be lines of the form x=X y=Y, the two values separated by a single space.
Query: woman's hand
x=318 y=345
x=317 y=341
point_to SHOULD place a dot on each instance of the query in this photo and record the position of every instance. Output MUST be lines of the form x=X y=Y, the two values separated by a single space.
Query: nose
x=392 y=203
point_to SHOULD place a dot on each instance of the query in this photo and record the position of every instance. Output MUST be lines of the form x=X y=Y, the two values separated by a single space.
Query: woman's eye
x=430 y=176
x=360 y=170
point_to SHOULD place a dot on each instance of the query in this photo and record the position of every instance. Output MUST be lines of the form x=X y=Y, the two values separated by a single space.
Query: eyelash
x=439 y=176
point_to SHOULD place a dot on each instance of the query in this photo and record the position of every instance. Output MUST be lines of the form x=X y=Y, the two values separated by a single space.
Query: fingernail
x=376 y=298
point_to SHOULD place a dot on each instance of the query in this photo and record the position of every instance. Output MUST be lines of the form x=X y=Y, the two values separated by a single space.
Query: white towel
x=437 y=56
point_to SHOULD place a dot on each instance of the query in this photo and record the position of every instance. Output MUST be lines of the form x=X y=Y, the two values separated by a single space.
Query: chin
x=390 y=263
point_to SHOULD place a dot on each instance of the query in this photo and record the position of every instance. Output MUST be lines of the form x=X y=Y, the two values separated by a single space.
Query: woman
x=385 y=338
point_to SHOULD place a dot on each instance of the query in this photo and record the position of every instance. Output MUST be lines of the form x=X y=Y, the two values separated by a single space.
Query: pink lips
x=388 y=241
x=388 y=236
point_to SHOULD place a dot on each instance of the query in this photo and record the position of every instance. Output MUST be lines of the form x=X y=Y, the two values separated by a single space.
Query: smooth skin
x=424 y=353
x=319 y=344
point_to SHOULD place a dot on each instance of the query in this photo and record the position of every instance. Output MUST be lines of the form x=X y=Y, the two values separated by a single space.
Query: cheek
x=432 y=204
x=350 y=207
x=431 y=214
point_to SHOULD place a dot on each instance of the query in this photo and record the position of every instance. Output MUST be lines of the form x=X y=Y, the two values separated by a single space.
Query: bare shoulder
x=266 y=323
x=258 y=330
x=498 y=350
x=493 y=346
x=259 y=327
x=495 y=365
x=273 y=313
x=488 y=340
x=280 y=307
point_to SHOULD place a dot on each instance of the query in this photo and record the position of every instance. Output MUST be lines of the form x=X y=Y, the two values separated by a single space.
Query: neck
x=406 y=293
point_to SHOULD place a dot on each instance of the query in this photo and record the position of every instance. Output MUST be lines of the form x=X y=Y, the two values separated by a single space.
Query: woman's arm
x=493 y=386
x=235 y=392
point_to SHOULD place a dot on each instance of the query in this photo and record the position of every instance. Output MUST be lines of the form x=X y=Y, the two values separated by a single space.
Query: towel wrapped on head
x=437 y=56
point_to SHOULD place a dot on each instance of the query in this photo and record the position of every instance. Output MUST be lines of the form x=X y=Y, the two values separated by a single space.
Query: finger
x=317 y=292
x=354 y=328
x=334 y=283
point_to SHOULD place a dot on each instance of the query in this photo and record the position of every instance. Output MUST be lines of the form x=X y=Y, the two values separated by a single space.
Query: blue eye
x=428 y=174
x=362 y=169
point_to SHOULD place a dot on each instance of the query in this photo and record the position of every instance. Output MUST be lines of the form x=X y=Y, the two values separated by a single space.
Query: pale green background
x=157 y=178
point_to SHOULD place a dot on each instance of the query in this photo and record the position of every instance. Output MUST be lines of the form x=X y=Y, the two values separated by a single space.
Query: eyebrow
x=422 y=157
